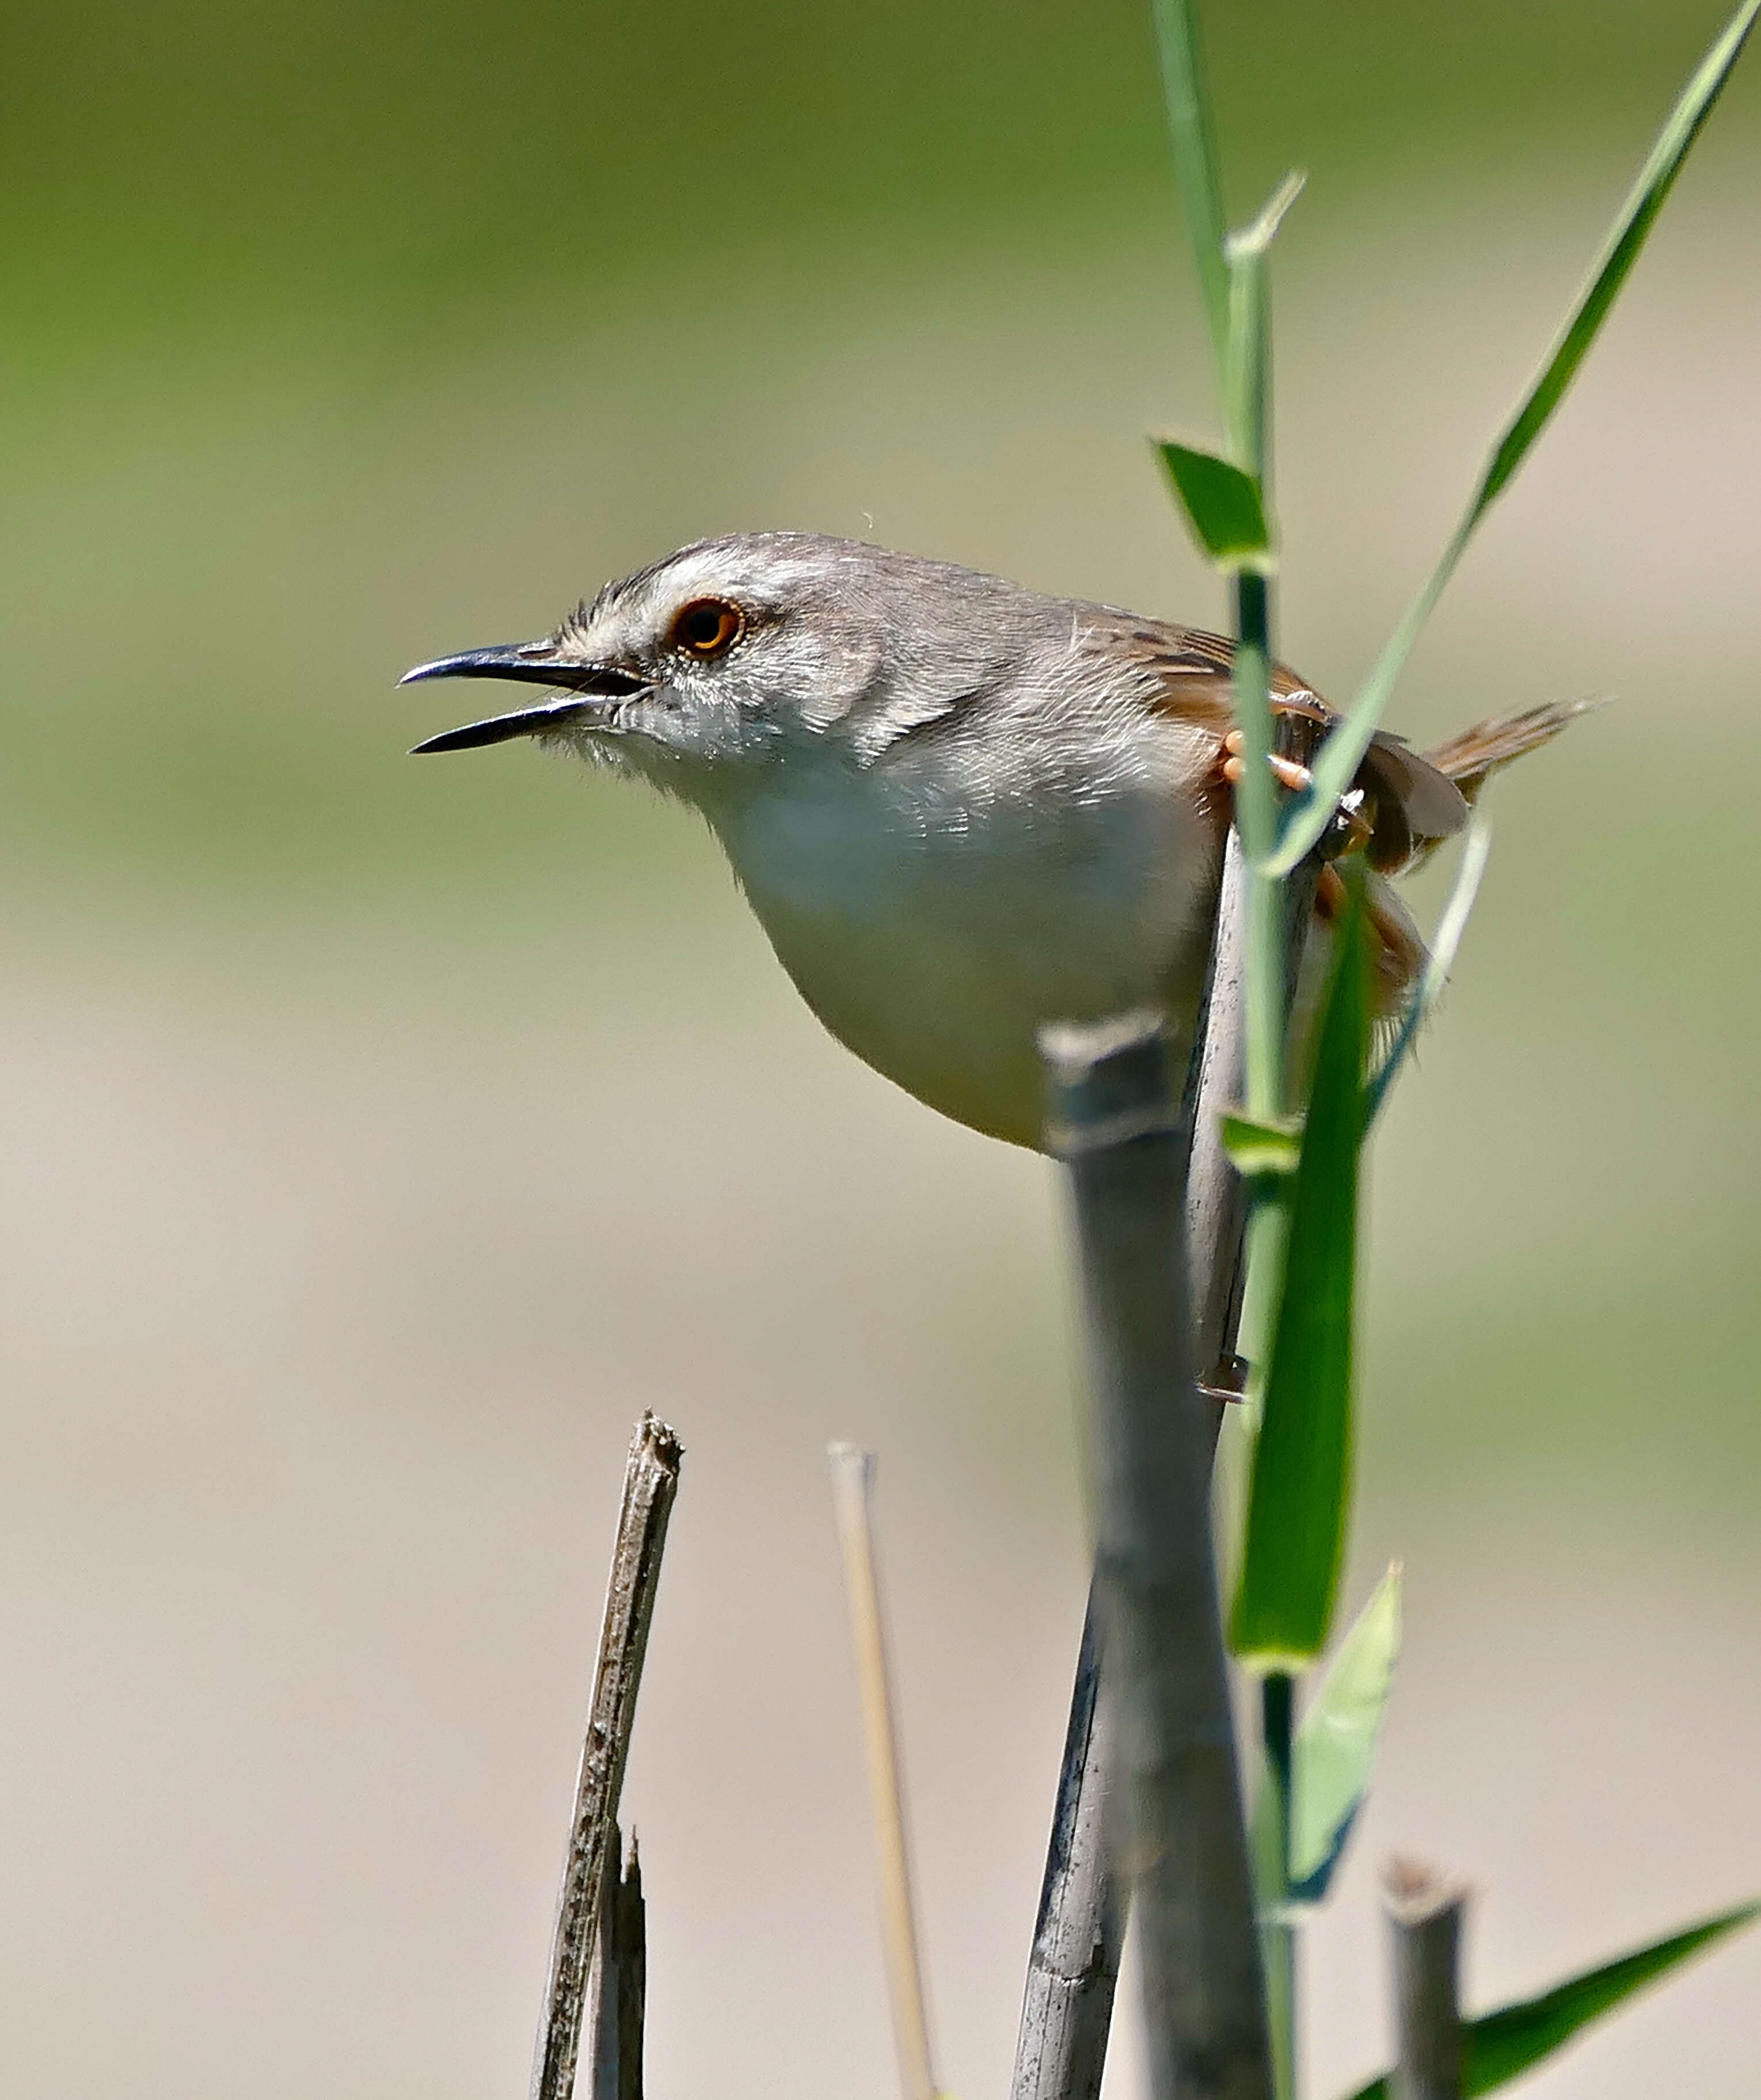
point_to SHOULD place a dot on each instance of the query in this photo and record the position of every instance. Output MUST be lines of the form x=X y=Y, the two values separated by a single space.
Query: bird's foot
x=1286 y=771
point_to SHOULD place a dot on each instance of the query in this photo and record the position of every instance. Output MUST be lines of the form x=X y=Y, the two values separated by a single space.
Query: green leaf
x=1500 y=2046
x=1336 y=766
x=1260 y=1148
x=1337 y=1740
x=1195 y=169
x=1221 y=502
x=1330 y=1759
x=1297 y=1498
x=1475 y=848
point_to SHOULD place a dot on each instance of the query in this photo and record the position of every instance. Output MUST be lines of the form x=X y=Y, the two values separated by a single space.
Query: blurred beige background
x=379 y=1137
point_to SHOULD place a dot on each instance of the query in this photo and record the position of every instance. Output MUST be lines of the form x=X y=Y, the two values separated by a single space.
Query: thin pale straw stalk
x=853 y=1471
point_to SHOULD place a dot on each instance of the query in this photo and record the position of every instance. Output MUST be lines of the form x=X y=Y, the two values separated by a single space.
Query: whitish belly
x=937 y=951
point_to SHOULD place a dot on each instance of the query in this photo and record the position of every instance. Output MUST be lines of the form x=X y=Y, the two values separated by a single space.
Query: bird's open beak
x=531 y=663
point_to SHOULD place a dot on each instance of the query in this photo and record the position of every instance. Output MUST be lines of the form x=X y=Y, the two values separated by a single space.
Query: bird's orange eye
x=706 y=628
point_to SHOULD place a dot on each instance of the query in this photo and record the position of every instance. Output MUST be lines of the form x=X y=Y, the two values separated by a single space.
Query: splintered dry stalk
x=651 y=1481
x=1424 y=1914
x=853 y=1471
x=1181 y=1843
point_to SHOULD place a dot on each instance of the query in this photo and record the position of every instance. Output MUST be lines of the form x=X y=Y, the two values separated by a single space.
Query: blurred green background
x=380 y=1136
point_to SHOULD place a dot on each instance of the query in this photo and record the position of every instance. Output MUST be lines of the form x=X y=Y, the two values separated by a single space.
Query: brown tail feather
x=1397 y=949
x=1472 y=757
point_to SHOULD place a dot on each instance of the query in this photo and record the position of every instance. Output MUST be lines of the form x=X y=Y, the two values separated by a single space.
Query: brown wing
x=1412 y=799
x=1410 y=802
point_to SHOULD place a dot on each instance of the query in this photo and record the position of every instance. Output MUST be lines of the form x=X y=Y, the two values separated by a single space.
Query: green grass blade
x=1337 y=1740
x=1221 y=502
x=1337 y=765
x=1300 y=1488
x=1646 y=200
x=1195 y=166
x=1331 y=1758
x=1477 y=848
x=1500 y=2046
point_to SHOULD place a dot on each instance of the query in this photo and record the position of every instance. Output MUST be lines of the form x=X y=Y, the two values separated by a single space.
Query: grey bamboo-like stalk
x=852 y=1469
x=1073 y=1971
x=1180 y=1841
x=1067 y=2004
x=651 y=1481
x=1061 y=2047
x=1425 y=1911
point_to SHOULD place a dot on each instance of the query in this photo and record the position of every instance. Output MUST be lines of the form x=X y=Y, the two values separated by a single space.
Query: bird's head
x=717 y=664
x=729 y=658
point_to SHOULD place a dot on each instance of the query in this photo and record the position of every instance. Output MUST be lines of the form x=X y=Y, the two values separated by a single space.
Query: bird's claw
x=1350 y=828
x=1286 y=771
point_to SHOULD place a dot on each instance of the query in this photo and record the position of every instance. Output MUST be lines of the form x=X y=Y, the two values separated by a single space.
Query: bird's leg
x=1287 y=773
x=1351 y=827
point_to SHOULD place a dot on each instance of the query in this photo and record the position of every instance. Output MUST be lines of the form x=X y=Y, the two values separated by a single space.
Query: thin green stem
x=1277 y=1708
x=1246 y=388
x=1256 y=816
x=1277 y=1935
x=1195 y=169
x=1336 y=766
x=1248 y=367
x=1245 y=376
x=1278 y=1953
x=1265 y=996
